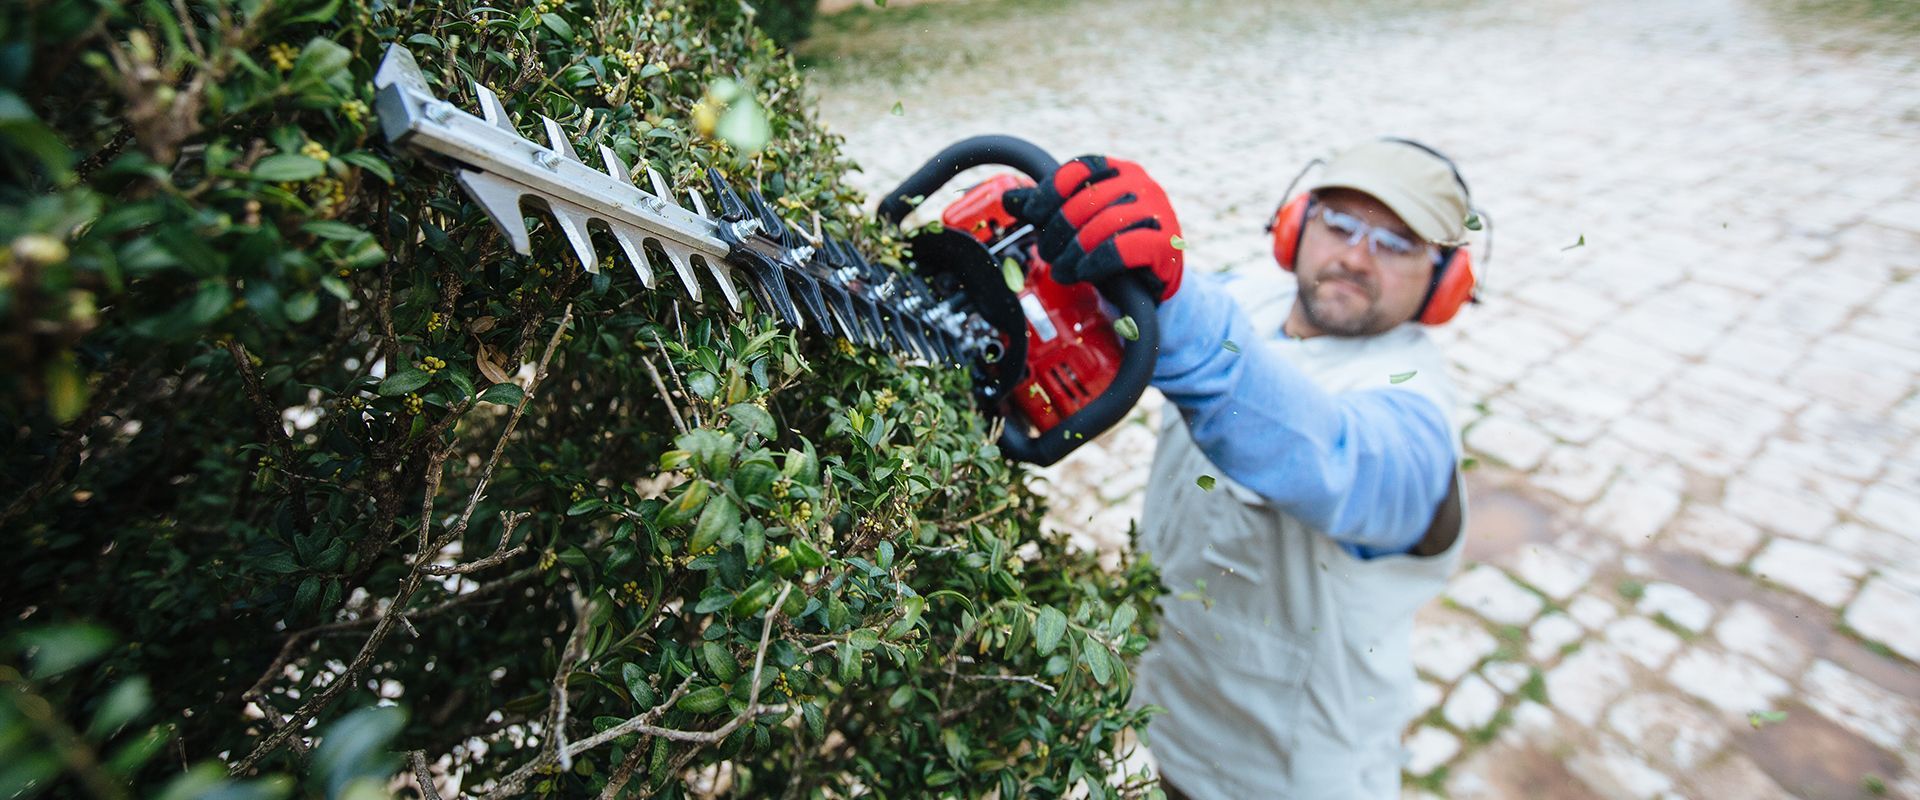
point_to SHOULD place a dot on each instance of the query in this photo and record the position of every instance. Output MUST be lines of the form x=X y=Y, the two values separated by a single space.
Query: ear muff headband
x=1453 y=283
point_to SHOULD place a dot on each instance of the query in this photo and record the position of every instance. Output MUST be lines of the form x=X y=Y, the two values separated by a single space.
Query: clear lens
x=1380 y=241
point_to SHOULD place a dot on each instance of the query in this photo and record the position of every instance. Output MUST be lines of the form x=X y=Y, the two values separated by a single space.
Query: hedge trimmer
x=975 y=293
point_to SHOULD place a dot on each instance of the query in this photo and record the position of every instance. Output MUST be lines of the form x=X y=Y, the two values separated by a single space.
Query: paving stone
x=1509 y=441
x=1888 y=614
x=1859 y=705
x=1531 y=721
x=1592 y=612
x=1892 y=508
x=1585 y=682
x=1426 y=695
x=1682 y=607
x=1668 y=728
x=1643 y=640
x=1635 y=508
x=1472 y=704
x=1613 y=771
x=1553 y=572
x=1747 y=630
x=1717 y=535
x=1448 y=651
x=1733 y=683
x=1815 y=571
x=1430 y=747
x=1549 y=635
x=1487 y=591
x=1735 y=776
x=1576 y=473
x=1507 y=676
x=1798 y=513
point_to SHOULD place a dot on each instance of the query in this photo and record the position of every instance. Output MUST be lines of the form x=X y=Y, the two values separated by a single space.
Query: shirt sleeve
x=1367 y=467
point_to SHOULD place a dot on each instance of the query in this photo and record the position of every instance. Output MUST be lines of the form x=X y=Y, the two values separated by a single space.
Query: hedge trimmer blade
x=817 y=281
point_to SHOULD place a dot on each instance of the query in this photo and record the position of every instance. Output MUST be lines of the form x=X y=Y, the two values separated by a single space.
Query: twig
x=576 y=647
x=675 y=372
x=409 y=585
x=500 y=552
x=617 y=780
x=420 y=774
x=1026 y=679
x=270 y=427
x=661 y=387
x=642 y=724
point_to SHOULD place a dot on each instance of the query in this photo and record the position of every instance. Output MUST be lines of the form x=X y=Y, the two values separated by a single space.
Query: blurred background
x=1693 y=435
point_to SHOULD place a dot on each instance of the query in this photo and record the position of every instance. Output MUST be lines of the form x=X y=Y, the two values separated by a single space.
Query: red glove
x=1098 y=217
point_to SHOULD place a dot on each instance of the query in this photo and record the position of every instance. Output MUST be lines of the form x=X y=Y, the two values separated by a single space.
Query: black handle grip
x=961 y=156
x=1129 y=293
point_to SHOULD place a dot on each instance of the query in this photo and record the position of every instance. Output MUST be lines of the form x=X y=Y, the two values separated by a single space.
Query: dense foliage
x=290 y=433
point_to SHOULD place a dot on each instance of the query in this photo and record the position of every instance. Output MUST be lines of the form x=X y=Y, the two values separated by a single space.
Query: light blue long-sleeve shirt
x=1368 y=467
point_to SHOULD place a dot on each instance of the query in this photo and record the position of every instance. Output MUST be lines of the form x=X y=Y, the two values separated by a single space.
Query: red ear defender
x=1285 y=228
x=1452 y=287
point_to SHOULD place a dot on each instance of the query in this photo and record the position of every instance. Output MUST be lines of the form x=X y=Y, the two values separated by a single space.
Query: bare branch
x=695 y=410
x=1027 y=679
x=415 y=577
x=661 y=387
x=576 y=647
x=424 y=777
x=500 y=552
x=642 y=724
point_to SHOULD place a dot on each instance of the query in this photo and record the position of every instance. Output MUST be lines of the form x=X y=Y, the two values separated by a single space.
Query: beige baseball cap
x=1418 y=185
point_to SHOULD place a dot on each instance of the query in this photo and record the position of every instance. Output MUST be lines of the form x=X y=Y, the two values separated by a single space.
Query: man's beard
x=1365 y=323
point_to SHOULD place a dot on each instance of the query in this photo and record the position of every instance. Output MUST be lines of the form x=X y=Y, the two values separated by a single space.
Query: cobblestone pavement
x=1694 y=556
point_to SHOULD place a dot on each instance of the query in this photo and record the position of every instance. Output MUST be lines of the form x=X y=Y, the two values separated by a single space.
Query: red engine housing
x=1073 y=352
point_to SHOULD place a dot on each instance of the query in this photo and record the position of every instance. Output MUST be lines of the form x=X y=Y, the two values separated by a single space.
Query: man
x=1307 y=487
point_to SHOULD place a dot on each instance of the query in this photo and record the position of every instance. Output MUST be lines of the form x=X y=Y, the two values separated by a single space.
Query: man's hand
x=1099 y=216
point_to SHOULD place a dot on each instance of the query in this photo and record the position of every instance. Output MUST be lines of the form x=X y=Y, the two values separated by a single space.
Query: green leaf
x=1402 y=377
x=720 y=663
x=334 y=230
x=1123 y=618
x=1096 y=656
x=744 y=125
x=898 y=109
x=58 y=648
x=637 y=686
x=1581 y=242
x=557 y=24
x=124 y=703
x=863 y=639
x=1178 y=243
x=1048 y=629
x=506 y=394
x=1473 y=222
x=287 y=168
x=355 y=747
x=1205 y=482
x=901 y=697
x=1760 y=719
x=703 y=384
x=719 y=520
x=749 y=418
x=372 y=164
x=1229 y=346
x=1010 y=270
x=403 y=382
x=301 y=307
x=1127 y=328
x=703 y=701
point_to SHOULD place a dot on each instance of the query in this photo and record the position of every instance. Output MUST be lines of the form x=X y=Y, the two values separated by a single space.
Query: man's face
x=1359 y=288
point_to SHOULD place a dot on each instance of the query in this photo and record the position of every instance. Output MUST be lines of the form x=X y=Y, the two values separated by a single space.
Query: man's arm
x=1368 y=467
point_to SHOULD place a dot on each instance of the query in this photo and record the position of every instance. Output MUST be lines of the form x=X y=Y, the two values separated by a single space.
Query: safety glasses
x=1385 y=245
